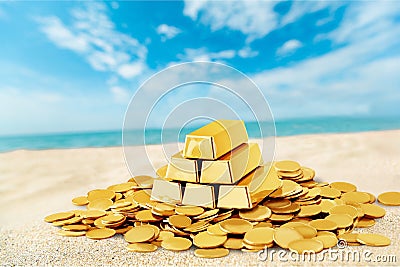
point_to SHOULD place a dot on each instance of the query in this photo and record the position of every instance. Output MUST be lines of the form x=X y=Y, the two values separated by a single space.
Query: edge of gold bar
x=166 y=191
x=253 y=188
x=232 y=166
x=215 y=139
x=183 y=169
x=199 y=195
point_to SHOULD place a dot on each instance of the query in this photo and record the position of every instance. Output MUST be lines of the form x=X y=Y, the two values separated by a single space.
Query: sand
x=36 y=183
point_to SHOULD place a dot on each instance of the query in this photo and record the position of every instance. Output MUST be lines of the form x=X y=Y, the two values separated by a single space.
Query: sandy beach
x=37 y=183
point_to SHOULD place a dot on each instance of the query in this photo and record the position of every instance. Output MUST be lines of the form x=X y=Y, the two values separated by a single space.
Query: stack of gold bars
x=218 y=195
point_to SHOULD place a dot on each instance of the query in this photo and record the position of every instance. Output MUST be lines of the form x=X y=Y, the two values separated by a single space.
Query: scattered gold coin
x=180 y=221
x=211 y=253
x=375 y=240
x=235 y=226
x=59 y=216
x=390 y=198
x=306 y=245
x=206 y=240
x=176 y=243
x=139 y=234
x=141 y=247
x=100 y=233
x=80 y=201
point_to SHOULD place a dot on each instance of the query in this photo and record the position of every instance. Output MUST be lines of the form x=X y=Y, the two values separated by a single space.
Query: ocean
x=153 y=136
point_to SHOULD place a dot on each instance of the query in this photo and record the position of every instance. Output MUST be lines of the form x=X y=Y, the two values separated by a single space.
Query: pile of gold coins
x=301 y=215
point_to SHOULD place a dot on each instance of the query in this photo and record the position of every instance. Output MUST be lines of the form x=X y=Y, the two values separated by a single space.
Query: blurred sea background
x=111 y=138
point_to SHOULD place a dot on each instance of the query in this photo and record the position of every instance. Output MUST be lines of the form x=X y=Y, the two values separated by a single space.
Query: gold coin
x=165 y=235
x=123 y=187
x=100 y=204
x=365 y=222
x=284 y=236
x=206 y=240
x=390 y=198
x=211 y=253
x=287 y=166
x=277 y=203
x=147 y=216
x=123 y=230
x=259 y=213
x=306 y=230
x=144 y=181
x=358 y=197
x=287 y=188
x=326 y=205
x=215 y=230
x=139 y=234
x=164 y=208
x=93 y=214
x=113 y=218
x=162 y=171
x=189 y=210
x=75 y=227
x=281 y=217
x=100 y=193
x=372 y=198
x=306 y=245
x=100 y=233
x=373 y=211
x=308 y=174
x=329 y=192
x=325 y=233
x=197 y=226
x=308 y=211
x=207 y=214
x=142 y=247
x=118 y=196
x=259 y=236
x=71 y=233
x=233 y=243
x=141 y=197
x=72 y=220
x=155 y=228
x=59 y=216
x=342 y=220
x=80 y=201
x=344 y=209
x=349 y=237
x=328 y=241
x=176 y=243
x=343 y=186
x=292 y=208
x=375 y=240
x=263 y=224
x=235 y=226
x=180 y=221
x=323 y=225
x=87 y=221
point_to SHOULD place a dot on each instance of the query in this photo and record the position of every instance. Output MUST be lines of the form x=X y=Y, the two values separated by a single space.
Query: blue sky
x=73 y=66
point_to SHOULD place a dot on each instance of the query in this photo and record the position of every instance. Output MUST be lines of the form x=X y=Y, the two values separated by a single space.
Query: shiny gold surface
x=215 y=139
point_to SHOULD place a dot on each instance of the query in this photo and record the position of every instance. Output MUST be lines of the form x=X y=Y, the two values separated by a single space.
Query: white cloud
x=247 y=52
x=121 y=95
x=289 y=47
x=114 y=5
x=167 y=32
x=93 y=35
x=202 y=54
x=254 y=18
x=131 y=70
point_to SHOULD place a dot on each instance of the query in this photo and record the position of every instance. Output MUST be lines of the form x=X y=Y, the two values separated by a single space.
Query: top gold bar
x=215 y=139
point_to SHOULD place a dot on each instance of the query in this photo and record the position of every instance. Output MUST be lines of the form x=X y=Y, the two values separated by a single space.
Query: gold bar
x=183 y=169
x=232 y=166
x=166 y=191
x=199 y=195
x=215 y=139
x=161 y=172
x=253 y=188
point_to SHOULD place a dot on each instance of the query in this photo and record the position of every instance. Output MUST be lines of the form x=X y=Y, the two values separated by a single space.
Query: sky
x=74 y=66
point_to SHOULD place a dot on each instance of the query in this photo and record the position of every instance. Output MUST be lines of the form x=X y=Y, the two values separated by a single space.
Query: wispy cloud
x=289 y=47
x=255 y=19
x=202 y=54
x=167 y=32
x=94 y=36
